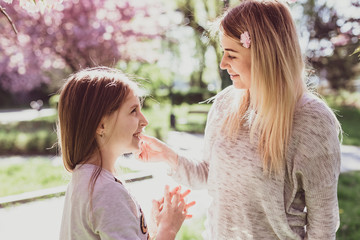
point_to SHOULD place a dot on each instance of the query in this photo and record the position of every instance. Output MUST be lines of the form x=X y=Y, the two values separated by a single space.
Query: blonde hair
x=277 y=70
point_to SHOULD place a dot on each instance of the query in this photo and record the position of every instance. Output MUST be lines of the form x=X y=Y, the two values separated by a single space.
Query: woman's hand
x=169 y=213
x=154 y=150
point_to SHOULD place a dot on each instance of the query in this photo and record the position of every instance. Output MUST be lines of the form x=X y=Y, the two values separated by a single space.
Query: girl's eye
x=231 y=57
x=134 y=110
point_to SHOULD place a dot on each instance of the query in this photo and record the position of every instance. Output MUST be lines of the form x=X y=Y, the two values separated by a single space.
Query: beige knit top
x=248 y=204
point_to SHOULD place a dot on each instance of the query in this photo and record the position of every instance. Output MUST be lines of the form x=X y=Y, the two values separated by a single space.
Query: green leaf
x=357 y=50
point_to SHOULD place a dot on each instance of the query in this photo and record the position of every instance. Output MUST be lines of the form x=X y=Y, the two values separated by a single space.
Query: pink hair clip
x=245 y=39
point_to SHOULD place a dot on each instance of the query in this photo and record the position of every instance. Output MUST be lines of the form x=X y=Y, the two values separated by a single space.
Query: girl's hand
x=182 y=196
x=154 y=150
x=169 y=213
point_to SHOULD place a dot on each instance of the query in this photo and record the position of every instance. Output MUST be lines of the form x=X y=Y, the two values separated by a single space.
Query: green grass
x=33 y=174
x=192 y=229
x=349 y=204
x=346 y=106
x=28 y=137
x=349 y=118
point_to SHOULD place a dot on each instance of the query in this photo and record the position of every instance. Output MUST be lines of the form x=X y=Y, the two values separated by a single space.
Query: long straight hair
x=277 y=76
x=86 y=97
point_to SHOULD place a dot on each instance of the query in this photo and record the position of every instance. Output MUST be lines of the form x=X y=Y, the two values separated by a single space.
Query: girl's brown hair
x=86 y=97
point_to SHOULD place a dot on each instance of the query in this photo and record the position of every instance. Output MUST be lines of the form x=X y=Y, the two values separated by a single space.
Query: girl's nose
x=143 y=122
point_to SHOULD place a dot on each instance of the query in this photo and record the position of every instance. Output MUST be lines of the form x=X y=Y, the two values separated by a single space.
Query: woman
x=100 y=119
x=271 y=149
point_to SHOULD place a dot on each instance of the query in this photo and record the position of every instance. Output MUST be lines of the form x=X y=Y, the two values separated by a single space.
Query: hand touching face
x=123 y=127
x=154 y=150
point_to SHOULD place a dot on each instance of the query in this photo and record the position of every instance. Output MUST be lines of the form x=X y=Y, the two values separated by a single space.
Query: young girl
x=100 y=119
x=271 y=149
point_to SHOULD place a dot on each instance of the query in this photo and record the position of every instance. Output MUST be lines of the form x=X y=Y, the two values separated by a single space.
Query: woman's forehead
x=228 y=42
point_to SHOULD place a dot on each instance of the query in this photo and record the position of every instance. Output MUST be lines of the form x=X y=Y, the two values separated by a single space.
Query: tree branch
x=2 y=10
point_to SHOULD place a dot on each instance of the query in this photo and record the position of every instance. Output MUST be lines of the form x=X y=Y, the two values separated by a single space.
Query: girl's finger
x=167 y=197
x=184 y=194
x=176 y=199
x=174 y=191
x=155 y=205
x=182 y=205
x=190 y=204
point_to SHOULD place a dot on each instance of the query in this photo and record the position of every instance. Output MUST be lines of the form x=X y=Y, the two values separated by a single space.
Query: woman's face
x=124 y=126
x=237 y=61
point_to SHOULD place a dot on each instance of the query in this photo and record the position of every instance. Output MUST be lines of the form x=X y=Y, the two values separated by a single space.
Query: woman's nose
x=223 y=63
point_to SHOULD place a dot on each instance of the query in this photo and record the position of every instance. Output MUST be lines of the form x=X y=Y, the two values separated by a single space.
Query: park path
x=7 y=116
x=41 y=219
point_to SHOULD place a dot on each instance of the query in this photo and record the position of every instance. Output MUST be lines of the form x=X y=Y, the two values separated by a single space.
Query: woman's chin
x=238 y=85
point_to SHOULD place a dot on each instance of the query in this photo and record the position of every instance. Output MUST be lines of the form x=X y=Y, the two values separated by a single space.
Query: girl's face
x=124 y=126
x=237 y=61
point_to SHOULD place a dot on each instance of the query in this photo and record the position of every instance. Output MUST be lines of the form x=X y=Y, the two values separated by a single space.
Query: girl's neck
x=107 y=159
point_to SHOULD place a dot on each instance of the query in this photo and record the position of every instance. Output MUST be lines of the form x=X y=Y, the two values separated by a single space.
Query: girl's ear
x=101 y=127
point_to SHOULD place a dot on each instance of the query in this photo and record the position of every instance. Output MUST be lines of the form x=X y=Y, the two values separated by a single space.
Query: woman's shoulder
x=224 y=94
x=222 y=98
x=220 y=101
x=316 y=125
x=312 y=108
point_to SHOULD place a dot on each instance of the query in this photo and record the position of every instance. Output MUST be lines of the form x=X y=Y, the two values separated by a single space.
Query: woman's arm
x=320 y=186
x=318 y=161
x=190 y=173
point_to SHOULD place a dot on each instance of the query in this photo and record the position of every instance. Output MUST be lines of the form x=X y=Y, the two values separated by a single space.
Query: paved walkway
x=41 y=219
x=7 y=116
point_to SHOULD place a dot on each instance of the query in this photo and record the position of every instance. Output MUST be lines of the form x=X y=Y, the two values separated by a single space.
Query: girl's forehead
x=132 y=98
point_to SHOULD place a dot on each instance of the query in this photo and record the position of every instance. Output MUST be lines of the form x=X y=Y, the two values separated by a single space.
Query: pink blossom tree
x=73 y=35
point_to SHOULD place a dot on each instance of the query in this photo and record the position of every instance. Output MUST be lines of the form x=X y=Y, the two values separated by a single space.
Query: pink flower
x=340 y=40
x=245 y=39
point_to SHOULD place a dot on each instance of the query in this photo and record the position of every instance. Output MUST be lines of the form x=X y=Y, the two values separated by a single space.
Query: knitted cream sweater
x=248 y=204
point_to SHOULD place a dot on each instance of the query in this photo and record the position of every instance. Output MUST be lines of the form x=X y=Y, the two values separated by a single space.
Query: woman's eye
x=231 y=57
x=134 y=110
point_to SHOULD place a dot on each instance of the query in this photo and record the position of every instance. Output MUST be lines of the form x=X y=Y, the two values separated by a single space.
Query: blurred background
x=166 y=45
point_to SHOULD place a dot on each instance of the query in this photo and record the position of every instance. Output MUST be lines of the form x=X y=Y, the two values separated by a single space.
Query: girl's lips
x=137 y=135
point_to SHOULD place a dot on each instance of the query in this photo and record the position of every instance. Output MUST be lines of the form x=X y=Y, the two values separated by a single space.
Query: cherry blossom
x=74 y=35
